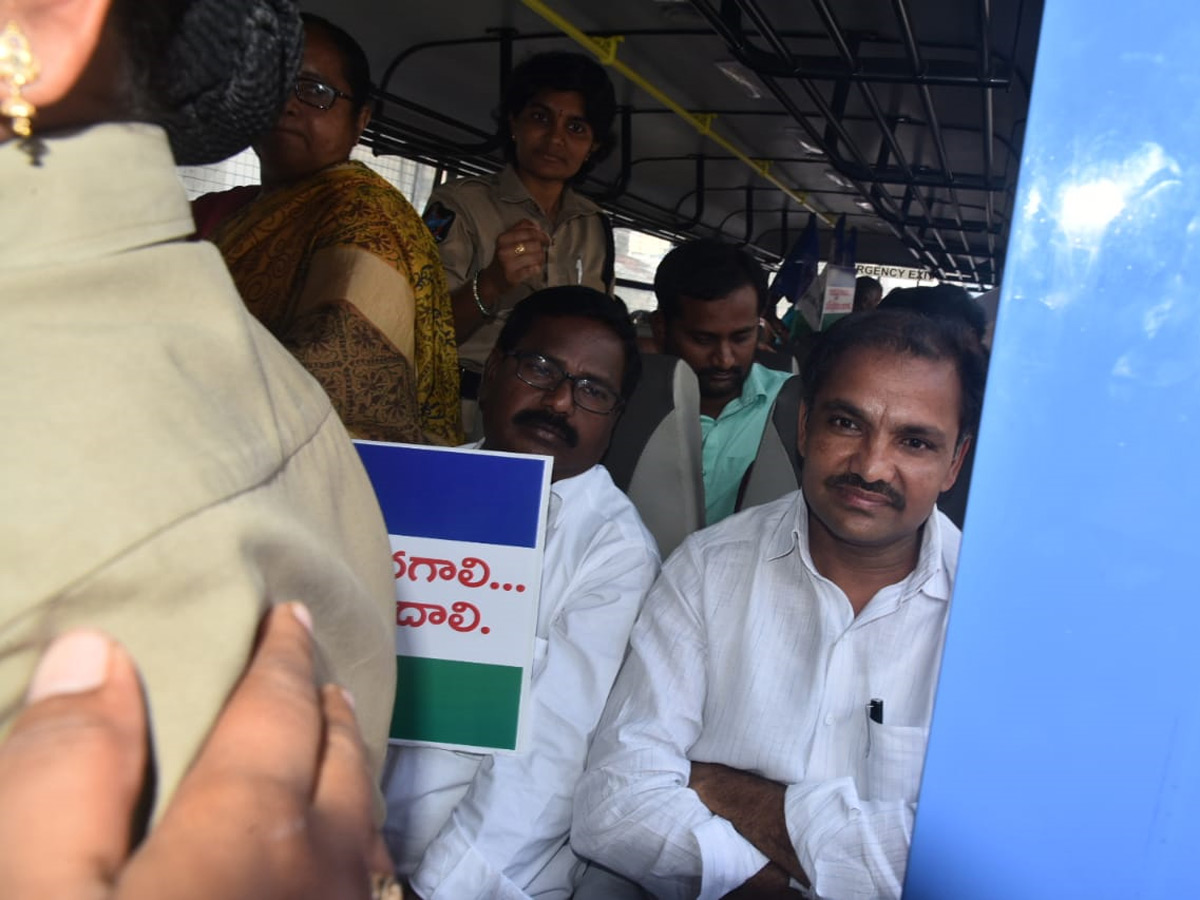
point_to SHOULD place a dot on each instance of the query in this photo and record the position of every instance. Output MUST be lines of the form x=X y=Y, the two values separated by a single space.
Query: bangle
x=483 y=310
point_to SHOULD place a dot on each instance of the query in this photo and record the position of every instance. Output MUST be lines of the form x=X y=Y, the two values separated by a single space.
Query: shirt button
x=855 y=812
x=829 y=720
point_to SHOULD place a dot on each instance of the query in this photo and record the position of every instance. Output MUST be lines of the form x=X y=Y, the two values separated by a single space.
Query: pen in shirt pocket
x=579 y=270
x=874 y=714
x=875 y=711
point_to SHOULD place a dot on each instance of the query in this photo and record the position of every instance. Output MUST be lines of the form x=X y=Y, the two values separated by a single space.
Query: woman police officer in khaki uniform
x=503 y=236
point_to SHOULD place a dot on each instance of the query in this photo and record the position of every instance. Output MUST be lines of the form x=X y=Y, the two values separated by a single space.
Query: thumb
x=70 y=771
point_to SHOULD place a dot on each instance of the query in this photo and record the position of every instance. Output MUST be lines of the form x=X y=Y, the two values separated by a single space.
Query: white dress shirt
x=463 y=825
x=744 y=655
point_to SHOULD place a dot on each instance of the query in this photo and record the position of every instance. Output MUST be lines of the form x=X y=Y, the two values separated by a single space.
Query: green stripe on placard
x=455 y=702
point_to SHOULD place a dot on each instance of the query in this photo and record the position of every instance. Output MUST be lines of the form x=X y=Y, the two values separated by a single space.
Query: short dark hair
x=576 y=301
x=559 y=70
x=934 y=338
x=864 y=286
x=946 y=300
x=706 y=269
x=355 y=66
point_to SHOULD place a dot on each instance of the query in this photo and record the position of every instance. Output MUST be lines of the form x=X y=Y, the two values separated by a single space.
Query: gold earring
x=17 y=69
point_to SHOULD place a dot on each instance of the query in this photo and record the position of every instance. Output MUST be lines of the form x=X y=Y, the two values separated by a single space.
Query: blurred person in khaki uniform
x=502 y=237
x=170 y=471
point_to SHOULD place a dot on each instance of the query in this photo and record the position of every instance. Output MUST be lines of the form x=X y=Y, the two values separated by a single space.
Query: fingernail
x=303 y=616
x=73 y=663
x=349 y=698
x=385 y=887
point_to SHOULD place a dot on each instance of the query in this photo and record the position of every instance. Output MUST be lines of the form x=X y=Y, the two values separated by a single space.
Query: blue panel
x=1065 y=755
x=423 y=493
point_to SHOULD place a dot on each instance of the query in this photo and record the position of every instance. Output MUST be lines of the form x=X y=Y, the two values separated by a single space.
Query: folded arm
x=634 y=811
x=855 y=848
x=755 y=807
x=850 y=847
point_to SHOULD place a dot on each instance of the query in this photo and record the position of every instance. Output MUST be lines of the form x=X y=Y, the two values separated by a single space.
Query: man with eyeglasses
x=464 y=825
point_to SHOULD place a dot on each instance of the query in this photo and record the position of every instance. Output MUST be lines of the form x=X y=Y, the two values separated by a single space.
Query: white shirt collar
x=929 y=576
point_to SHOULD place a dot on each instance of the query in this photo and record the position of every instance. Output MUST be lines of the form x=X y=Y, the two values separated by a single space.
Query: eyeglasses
x=316 y=93
x=538 y=372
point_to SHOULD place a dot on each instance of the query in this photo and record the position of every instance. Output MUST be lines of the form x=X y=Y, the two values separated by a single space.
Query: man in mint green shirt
x=710 y=297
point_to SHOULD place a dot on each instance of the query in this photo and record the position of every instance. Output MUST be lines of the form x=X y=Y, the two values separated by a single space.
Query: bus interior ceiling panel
x=906 y=116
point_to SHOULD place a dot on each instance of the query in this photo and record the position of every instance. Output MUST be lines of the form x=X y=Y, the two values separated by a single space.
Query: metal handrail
x=605 y=50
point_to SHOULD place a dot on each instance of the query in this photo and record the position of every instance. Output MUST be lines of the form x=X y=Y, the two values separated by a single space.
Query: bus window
x=638 y=255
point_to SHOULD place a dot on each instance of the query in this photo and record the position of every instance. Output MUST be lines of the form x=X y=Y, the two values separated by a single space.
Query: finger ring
x=385 y=887
x=519 y=249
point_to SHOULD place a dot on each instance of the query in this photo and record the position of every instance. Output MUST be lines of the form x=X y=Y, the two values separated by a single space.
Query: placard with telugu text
x=467 y=530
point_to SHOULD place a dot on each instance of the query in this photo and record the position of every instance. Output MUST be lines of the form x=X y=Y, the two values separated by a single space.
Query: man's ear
x=802 y=430
x=490 y=369
x=658 y=327
x=960 y=453
x=492 y=363
x=63 y=35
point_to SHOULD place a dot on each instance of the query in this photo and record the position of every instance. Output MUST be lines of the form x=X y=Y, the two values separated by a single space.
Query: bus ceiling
x=741 y=118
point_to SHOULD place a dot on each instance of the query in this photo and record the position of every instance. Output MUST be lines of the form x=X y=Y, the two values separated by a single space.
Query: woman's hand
x=277 y=804
x=520 y=255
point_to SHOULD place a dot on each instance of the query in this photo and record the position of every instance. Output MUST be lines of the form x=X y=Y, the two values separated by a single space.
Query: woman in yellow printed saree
x=337 y=264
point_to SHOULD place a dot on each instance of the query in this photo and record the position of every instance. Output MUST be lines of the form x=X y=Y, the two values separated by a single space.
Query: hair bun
x=228 y=70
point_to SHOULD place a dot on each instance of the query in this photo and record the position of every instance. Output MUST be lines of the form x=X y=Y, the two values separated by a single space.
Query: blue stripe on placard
x=434 y=493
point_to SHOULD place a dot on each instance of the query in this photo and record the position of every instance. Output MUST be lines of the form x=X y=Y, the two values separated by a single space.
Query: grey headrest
x=655 y=451
x=776 y=469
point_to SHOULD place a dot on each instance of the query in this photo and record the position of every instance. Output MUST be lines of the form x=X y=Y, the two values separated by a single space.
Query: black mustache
x=850 y=479
x=712 y=370
x=555 y=423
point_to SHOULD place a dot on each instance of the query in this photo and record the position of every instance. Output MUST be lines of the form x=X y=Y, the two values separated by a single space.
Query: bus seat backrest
x=776 y=469
x=954 y=501
x=777 y=359
x=655 y=451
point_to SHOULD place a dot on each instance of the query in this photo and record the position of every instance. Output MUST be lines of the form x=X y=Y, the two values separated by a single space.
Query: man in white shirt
x=766 y=734
x=465 y=825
